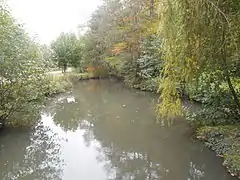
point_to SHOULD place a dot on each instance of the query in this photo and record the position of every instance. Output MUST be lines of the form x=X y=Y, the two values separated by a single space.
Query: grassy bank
x=81 y=76
x=225 y=141
x=58 y=84
x=61 y=82
x=27 y=117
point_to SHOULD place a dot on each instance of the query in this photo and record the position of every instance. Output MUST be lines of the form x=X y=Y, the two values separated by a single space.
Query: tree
x=22 y=75
x=67 y=51
x=201 y=42
x=46 y=56
x=117 y=31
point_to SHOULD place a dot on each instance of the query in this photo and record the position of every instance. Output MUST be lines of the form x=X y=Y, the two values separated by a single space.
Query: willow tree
x=198 y=36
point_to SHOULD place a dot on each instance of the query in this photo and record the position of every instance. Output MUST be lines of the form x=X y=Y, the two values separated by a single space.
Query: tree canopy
x=122 y=35
x=22 y=73
x=181 y=48
x=201 y=45
x=67 y=50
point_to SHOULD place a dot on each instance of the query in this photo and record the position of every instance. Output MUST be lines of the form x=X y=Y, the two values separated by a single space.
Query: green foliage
x=149 y=63
x=218 y=105
x=22 y=74
x=80 y=76
x=182 y=54
x=122 y=37
x=67 y=51
x=47 y=57
x=75 y=77
x=200 y=47
x=225 y=141
x=58 y=84
x=150 y=84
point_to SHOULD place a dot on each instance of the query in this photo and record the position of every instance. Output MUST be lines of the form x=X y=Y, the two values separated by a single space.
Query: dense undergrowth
x=58 y=84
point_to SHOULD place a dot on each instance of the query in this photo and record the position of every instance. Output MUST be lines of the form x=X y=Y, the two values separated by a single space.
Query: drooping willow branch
x=224 y=16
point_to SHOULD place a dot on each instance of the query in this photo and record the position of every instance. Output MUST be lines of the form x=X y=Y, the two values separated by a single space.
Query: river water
x=105 y=131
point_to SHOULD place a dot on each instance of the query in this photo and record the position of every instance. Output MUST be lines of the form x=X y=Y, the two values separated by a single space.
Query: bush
x=22 y=75
x=58 y=84
x=218 y=106
x=148 y=85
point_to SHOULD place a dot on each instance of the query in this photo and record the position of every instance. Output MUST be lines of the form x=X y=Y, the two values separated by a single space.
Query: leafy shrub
x=148 y=85
x=218 y=106
x=23 y=81
x=58 y=84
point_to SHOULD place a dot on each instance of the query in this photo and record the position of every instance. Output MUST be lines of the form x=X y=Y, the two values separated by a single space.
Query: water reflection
x=30 y=155
x=195 y=172
x=88 y=134
x=127 y=139
x=65 y=112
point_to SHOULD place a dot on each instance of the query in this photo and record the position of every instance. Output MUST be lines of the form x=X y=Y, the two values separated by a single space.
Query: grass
x=80 y=76
x=59 y=84
x=225 y=141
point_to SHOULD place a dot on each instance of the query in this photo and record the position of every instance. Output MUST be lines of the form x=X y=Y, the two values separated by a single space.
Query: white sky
x=48 y=18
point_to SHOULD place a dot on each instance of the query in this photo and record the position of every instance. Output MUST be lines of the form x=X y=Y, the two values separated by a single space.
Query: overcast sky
x=48 y=18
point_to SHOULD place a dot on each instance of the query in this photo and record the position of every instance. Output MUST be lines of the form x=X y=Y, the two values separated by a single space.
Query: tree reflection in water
x=65 y=113
x=126 y=164
x=127 y=153
x=195 y=172
x=128 y=142
x=37 y=156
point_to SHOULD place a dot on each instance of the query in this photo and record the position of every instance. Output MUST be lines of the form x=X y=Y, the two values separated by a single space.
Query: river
x=105 y=131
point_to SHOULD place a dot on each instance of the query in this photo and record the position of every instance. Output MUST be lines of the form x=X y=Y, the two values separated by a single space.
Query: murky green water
x=104 y=131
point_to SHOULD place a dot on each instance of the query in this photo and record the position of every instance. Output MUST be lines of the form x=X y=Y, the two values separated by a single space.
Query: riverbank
x=53 y=84
x=61 y=82
x=58 y=84
x=225 y=141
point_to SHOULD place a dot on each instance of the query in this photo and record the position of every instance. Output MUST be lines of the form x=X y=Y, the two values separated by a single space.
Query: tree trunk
x=230 y=86
x=64 y=68
x=226 y=71
x=151 y=8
